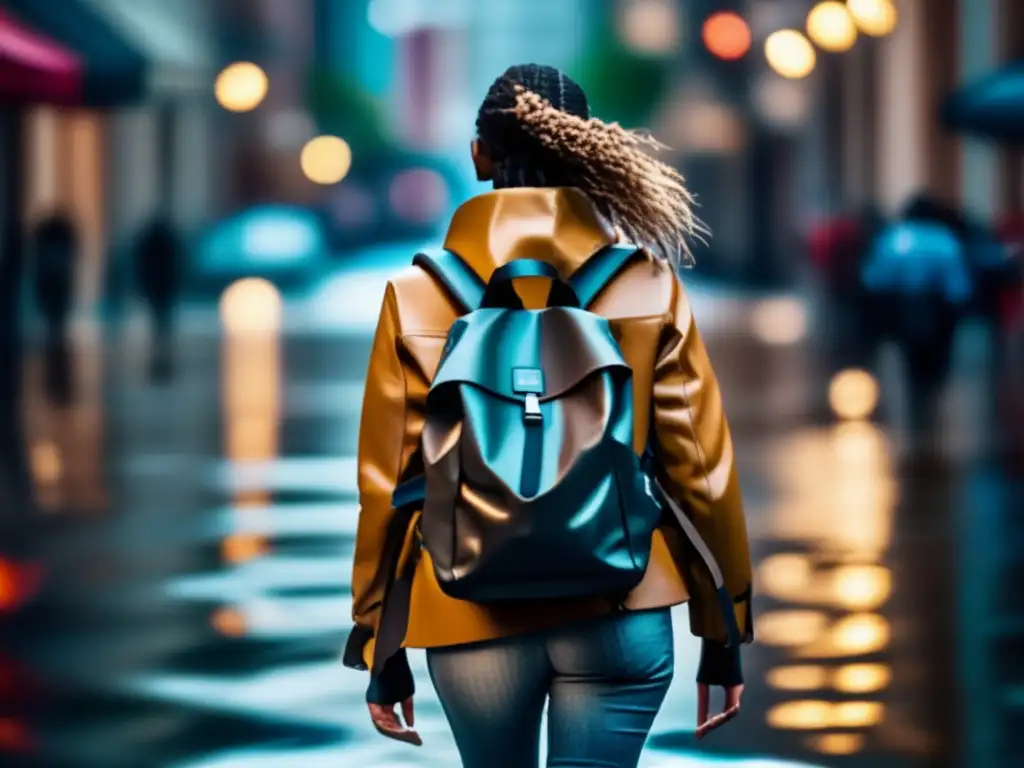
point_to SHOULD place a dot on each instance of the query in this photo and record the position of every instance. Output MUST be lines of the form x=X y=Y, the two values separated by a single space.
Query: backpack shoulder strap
x=454 y=275
x=600 y=269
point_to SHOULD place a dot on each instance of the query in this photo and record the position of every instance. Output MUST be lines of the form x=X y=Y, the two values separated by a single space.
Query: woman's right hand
x=388 y=723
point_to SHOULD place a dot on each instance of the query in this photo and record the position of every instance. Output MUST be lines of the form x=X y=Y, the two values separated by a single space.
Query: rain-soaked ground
x=200 y=536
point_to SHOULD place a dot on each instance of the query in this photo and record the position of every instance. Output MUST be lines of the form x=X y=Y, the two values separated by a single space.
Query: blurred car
x=389 y=197
x=286 y=245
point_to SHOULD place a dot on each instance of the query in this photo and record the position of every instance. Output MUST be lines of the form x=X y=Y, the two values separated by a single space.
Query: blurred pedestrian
x=837 y=250
x=917 y=287
x=55 y=248
x=158 y=277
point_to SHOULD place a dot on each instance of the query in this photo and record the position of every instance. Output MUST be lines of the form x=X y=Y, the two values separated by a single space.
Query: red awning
x=34 y=68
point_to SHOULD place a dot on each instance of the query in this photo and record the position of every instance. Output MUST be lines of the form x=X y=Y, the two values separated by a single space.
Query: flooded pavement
x=199 y=536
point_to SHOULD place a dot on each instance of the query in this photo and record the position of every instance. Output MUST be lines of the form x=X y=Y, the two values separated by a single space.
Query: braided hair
x=536 y=125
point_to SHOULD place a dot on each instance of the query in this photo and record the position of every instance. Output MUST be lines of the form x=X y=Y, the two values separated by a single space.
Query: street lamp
x=726 y=35
x=326 y=159
x=241 y=87
x=877 y=18
x=831 y=25
x=790 y=54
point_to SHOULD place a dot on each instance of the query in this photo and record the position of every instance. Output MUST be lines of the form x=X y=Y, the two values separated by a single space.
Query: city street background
x=201 y=202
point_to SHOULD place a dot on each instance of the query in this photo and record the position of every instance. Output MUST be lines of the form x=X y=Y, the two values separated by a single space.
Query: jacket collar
x=557 y=225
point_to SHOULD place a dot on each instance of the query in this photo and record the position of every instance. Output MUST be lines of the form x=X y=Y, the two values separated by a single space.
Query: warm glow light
x=240 y=548
x=784 y=576
x=857 y=714
x=779 y=322
x=861 y=633
x=726 y=35
x=800 y=715
x=9 y=591
x=830 y=25
x=862 y=587
x=853 y=394
x=862 y=678
x=46 y=464
x=251 y=305
x=790 y=54
x=815 y=715
x=15 y=737
x=241 y=87
x=838 y=743
x=650 y=26
x=874 y=17
x=798 y=678
x=326 y=159
x=19 y=582
x=229 y=622
x=791 y=628
x=860 y=444
x=783 y=104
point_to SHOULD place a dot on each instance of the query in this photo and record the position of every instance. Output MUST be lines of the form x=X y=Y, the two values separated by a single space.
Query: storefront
x=56 y=54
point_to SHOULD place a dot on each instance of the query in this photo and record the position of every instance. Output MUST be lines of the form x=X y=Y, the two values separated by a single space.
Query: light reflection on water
x=829 y=587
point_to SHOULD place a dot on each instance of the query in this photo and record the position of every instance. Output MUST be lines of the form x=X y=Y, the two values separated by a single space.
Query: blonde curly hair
x=536 y=125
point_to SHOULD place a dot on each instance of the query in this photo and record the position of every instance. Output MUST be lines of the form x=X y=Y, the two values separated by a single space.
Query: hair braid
x=643 y=196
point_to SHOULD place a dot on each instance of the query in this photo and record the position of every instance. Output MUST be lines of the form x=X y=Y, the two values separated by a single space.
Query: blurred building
x=139 y=141
x=890 y=139
x=768 y=154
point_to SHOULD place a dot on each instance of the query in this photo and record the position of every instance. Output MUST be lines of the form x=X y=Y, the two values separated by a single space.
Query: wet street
x=199 y=536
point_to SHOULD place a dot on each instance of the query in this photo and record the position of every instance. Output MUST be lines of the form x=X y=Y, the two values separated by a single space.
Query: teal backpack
x=531 y=487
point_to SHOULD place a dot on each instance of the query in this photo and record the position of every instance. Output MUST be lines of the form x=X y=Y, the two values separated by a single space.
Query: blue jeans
x=604 y=681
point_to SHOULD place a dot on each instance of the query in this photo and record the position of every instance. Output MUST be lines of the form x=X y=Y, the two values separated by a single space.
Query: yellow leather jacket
x=650 y=315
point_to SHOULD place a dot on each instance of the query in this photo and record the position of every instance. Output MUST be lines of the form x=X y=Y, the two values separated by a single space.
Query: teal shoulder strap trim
x=599 y=270
x=455 y=276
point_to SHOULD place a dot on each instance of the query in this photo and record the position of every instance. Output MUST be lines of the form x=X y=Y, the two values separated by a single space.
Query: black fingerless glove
x=719 y=665
x=394 y=683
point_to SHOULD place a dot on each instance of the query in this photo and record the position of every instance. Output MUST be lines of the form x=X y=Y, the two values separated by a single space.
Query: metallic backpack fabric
x=532 y=488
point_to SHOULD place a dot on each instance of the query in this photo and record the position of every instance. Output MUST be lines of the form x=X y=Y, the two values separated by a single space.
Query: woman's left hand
x=706 y=724
x=388 y=723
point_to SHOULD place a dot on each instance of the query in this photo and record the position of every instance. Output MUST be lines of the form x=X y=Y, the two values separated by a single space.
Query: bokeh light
x=798 y=678
x=877 y=18
x=862 y=678
x=650 y=26
x=862 y=587
x=326 y=159
x=779 y=322
x=790 y=54
x=229 y=622
x=419 y=195
x=783 y=104
x=47 y=466
x=853 y=394
x=831 y=26
x=726 y=35
x=785 y=575
x=837 y=743
x=800 y=715
x=249 y=305
x=787 y=629
x=9 y=592
x=241 y=87
x=861 y=634
x=813 y=715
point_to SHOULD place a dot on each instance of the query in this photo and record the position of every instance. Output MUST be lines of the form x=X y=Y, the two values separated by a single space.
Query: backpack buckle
x=531 y=409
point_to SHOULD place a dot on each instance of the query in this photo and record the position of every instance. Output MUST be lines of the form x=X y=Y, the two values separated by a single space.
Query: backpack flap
x=533 y=487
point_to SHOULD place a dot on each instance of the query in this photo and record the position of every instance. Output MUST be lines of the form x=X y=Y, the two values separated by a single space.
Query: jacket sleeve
x=694 y=449
x=382 y=440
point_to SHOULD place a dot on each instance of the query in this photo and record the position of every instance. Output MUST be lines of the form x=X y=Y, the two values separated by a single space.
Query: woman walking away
x=545 y=467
